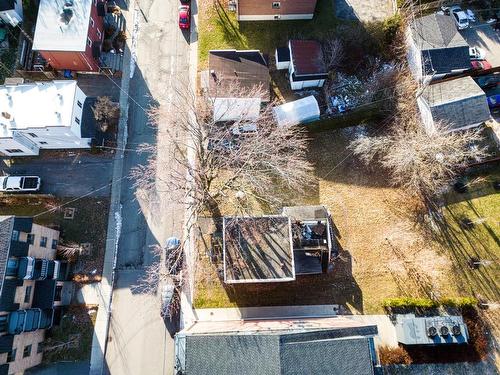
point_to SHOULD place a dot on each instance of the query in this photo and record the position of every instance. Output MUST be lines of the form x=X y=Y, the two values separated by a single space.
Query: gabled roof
x=297 y=349
x=53 y=34
x=232 y=69
x=443 y=48
x=6 y=227
x=458 y=102
x=307 y=57
x=7 y=4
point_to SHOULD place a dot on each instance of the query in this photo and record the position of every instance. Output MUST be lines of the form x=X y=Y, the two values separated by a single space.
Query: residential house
x=33 y=289
x=238 y=82
x=69 y=34
x=277 y=248
x=458 y=103
x=11 y=12
x=436 y=48
x=263 y=10
x=305 y=63
x=43 y=115
x=334 y=345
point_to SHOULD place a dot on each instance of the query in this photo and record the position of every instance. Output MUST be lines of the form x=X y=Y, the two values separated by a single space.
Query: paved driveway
x=486 y=38
x=67 y=176
x=363 y=10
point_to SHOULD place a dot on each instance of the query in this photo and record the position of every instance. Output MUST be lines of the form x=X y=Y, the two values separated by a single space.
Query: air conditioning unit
x=431 y=331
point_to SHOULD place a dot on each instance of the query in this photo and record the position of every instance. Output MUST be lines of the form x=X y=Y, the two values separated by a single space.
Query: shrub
x=393 y=356
x=459 y=302
x=409 y=302
x=391 y=27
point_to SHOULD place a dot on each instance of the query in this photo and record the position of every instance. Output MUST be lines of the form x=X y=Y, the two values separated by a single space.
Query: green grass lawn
x=219 y=29
x=480 y=206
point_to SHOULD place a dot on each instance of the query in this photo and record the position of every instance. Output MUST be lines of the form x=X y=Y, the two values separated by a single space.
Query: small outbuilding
x=297 y=112
x=307 y=67
x=459 y=103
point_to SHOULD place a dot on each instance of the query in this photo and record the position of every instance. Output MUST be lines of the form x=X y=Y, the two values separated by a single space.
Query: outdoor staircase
x=113 y=61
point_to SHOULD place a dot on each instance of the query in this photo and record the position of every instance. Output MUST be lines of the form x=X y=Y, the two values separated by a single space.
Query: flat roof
x=232 y=109
x=258 y=249
x=36 y=105
x=52 y=33
x=307 y=57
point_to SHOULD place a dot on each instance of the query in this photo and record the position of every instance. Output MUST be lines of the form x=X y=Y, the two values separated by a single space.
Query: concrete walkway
x=386 y=330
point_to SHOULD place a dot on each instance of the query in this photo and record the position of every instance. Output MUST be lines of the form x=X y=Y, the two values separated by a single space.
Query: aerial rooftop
x=34 y=105
x=231 y=70
x=61 y=26
x=307 y=57
x=258 y=249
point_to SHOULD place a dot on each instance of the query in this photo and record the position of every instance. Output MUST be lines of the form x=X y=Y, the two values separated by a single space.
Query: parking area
x=486 y=38
x=68 y=175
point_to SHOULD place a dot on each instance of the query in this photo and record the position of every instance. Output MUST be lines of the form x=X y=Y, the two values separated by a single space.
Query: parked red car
x=480 y=65
x=184 y=17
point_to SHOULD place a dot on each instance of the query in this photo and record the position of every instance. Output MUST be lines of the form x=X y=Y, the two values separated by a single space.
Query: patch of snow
x=133 y=47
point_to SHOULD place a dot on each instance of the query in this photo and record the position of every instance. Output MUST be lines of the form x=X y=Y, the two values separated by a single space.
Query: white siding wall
x=55 y=137
x=77 y=112
x=426 y=115
x=414 y=56
x=13 y=144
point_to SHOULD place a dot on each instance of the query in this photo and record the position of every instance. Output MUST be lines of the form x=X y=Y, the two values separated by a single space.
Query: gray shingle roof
x=6 y=226
x=274 y=353
x=459 y=102
x=443 y=48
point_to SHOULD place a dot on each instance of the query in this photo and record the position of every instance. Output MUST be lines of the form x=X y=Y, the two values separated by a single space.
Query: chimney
x=6 y=115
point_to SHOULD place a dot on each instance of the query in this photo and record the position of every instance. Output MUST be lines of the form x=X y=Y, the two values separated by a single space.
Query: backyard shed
x=297 y=112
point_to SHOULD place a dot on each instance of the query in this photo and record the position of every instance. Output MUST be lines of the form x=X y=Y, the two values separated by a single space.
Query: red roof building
x=69 y=33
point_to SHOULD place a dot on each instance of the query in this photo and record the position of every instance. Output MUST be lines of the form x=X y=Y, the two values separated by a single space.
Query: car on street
x=480 y=65
x=488 y=82
x=167 y=298
x=494 y=101
x=20 y=184
x=173 y=258
x=476 y=53
x=185 y=17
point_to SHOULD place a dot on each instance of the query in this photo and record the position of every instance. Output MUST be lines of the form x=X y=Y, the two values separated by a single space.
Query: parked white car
x=461 y=19
x=20 y=184
x=477 y=53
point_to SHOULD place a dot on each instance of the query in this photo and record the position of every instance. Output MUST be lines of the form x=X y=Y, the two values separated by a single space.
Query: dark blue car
x=494 y=101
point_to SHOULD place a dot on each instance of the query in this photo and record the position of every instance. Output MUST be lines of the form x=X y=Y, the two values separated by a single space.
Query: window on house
x=39 y=347
x=276 y=5
x=79 y=103
x=15 y=235
x=43 y=241
x=30 y=239
x=11 y=356
x=99 y=35
x=77 y=120
x=89 y=42
x=12 y=267
x=33 y=135
x=3 y=323
x=27 y=351
x=27 y=294
x=57 y=296
x=54 y=244
x=13 y=150
x=91 y=22
x=43 y=142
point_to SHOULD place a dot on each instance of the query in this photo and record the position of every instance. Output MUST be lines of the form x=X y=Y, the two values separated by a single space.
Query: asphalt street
x=139 y=341
x=73 y=176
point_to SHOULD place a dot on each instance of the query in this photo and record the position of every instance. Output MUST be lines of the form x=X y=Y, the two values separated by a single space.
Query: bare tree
x=246 y=158
x=333 y=52
x=68 y=250
x=105 y=111
x=420 y=161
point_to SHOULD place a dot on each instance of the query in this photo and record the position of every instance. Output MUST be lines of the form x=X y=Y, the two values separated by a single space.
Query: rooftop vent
x=6 y=115
x=67 y=12
x=431 y=331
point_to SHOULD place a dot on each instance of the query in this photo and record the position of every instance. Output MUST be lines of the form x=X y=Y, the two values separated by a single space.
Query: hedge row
x=426 y=303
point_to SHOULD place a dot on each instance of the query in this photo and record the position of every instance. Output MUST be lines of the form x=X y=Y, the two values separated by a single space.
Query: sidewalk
x=105 y=288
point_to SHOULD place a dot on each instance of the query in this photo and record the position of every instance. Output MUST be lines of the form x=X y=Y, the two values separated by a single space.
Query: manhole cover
x=69 y=213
